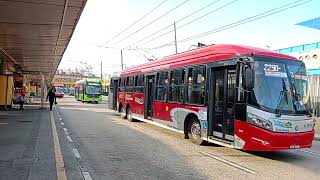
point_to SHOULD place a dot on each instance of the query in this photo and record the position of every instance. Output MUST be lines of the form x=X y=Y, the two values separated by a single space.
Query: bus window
x=176 y=85
x=122 y=84
x=161 y=86
x=130 y=84
x=196 y=85
x=139 y=84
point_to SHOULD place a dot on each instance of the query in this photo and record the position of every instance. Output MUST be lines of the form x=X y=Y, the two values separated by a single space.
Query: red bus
x=59 y=87
x=236 y=96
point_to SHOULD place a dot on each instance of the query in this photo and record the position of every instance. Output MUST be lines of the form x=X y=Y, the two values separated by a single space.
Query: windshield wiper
x=283 y=94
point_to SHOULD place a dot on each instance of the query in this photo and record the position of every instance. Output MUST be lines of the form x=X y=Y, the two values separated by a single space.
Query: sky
x=93 y=40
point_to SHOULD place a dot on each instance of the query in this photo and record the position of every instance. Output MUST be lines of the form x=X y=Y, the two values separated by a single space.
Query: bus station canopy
x=35 y=33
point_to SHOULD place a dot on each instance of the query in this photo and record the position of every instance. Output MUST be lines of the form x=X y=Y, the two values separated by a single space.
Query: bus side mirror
x=248 y=78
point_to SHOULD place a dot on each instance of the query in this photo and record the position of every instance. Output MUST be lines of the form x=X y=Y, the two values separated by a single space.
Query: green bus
x=88 y=90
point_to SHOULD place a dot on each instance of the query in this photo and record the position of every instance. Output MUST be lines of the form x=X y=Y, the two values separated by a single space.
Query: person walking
x=23 y=96
x=51 y=96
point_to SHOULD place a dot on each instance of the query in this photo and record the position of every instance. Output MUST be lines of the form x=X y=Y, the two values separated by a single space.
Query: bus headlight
x=260 y=122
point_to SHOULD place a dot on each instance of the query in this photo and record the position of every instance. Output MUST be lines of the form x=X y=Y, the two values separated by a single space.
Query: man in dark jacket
x=51 y=96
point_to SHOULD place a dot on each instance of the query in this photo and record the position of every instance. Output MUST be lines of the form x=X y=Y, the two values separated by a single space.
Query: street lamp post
x=121 y=59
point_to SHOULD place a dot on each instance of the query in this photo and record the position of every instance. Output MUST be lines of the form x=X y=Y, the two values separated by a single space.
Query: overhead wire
x=198 y=18
x=240 y=22
x=166 y=13
x=135 y=22
x=170 y=25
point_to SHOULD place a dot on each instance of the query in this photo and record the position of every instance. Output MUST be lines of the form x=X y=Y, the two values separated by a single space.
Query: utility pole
x=121 y=60
x=101 y=71
x=175 y=37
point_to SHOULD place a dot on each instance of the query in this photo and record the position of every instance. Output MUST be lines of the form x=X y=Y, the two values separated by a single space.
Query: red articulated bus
x=236 y=96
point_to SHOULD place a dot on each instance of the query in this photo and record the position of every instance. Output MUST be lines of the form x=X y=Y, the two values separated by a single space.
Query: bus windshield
x=59 y=89
x=93 y=89
x=280 y=84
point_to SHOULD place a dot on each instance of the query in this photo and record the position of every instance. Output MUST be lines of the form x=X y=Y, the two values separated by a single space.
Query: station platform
x=27 y=147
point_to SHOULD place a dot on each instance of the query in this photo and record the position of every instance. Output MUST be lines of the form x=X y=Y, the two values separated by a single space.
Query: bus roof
x=86 y=80
x=202 y=55
x=58 y=84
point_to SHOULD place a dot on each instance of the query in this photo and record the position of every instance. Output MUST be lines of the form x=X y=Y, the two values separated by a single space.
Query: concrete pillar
x=2 y=66
x=6 y=93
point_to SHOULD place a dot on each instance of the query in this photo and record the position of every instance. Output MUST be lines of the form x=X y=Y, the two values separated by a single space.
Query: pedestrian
x=55 y=97
x=23 y=97
x=51 y=96
x=21 y=102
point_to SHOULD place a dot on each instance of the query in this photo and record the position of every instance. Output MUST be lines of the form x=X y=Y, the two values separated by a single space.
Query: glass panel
x=176 y=94
x=163 y=78
x=195 y=94
x=93 y=89
x=177 y=77
x=161 y=94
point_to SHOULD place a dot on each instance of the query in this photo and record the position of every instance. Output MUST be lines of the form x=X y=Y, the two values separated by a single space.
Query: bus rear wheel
x=194 y=132
x=129 y=115
x=123 y=113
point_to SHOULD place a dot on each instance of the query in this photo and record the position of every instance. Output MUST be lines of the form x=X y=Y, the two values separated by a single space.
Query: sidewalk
x=26 y=146
x=317 y=130
x=20 y=143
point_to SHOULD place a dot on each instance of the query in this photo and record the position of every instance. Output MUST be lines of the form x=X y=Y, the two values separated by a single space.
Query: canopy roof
x=35 y=33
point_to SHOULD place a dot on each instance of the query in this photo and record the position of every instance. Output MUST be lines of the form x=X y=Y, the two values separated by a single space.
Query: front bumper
x=257 y=139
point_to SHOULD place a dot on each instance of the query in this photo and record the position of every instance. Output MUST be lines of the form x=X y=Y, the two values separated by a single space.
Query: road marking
x=3 y=123
x=76 y=153
x=60 y=118
x=65 y=129
x=67 y=134
x=310 y=152
x=62 y=123
x=86 y=175
x=61 y=174
x=69 y=138
x=229 y=163
x=145 y=129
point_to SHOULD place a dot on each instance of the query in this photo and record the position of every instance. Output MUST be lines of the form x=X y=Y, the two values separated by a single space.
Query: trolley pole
x=175 y=37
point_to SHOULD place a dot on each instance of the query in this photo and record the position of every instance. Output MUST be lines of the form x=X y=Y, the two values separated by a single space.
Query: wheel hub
x=196 y=130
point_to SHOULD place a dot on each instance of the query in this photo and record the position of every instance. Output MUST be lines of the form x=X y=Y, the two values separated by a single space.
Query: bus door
x=149 y=96
x=221 y=99
x=112 y=96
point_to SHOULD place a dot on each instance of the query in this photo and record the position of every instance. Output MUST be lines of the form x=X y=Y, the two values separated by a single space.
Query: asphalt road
x=108 y=147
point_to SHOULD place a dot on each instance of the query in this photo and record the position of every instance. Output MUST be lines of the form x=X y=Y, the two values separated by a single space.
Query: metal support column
x=42 y=90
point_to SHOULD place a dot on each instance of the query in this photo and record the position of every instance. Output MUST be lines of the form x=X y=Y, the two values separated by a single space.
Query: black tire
x=129 y=115
x=123 y=113
x=194 y=131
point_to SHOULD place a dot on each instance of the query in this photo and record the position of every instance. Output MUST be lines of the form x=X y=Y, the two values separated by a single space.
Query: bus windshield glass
x=93 y=89
x=59 y=89
x=280 y=83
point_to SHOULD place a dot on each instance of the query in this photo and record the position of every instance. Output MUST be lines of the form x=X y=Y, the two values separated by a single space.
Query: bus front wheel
x=129 y=115
x=194 y=132
x=123 y=113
